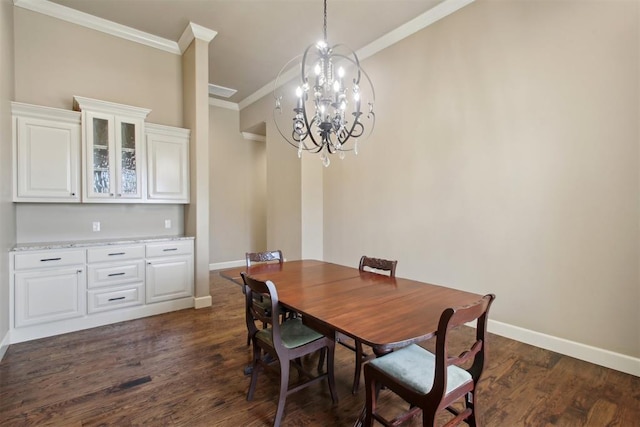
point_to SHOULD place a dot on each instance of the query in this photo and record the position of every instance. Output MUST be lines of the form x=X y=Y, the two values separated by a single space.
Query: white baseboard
x=598 y=356
x=202 y=302
x=228 y=264
x=44 y=330
x=4 y=345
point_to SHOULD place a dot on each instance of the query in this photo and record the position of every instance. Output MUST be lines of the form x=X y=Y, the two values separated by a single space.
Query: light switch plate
x=96 y=226
x=167 y=223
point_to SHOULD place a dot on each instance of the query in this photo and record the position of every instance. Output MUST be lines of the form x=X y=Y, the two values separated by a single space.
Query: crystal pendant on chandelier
x=333 y=102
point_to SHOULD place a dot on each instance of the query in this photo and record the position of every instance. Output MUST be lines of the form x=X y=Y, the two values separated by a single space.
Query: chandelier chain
x=324 y=28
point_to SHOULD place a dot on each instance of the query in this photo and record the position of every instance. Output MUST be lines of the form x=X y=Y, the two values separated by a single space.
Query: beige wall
x=238 y=189
x=505 y=160
x=62 y=222
x=284 y=217
x=56 y=60
x=7 y=212
x=74 y=60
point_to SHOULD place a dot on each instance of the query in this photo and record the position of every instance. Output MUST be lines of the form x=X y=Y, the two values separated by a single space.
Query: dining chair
x=431 y=382
x=286 y=341
x=366 y=264
x=374 y=264
x=253 y=258
x=263 y=257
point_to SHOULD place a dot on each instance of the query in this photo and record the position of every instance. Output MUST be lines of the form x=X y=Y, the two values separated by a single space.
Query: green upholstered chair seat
x=414 y=367
x=293 y=333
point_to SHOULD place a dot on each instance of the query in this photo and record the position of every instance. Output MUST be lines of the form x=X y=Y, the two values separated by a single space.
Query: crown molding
x=215 y=102
x=81 y=103
x=89 y=21
x=167 y=130
x=192 y=32
x=420 y=22
x=40 y=112
x=254 y=137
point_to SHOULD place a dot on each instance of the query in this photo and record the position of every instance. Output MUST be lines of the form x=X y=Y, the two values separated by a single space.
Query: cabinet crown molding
x=167 y=130
x=39 y=112
x=80 y=103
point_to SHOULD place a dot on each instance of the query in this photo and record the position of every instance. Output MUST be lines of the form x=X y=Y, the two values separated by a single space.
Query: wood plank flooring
x=186 y=369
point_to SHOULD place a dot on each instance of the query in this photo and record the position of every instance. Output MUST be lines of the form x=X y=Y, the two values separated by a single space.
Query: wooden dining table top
x=381 y=311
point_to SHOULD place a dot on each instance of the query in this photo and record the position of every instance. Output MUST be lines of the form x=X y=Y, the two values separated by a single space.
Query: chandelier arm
x=286 y=138
x=304 y=80
x=309 y=130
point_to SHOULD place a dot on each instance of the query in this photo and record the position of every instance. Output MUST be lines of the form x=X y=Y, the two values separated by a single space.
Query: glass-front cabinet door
x=128 y=145
x=112 y=140
x=100 y=141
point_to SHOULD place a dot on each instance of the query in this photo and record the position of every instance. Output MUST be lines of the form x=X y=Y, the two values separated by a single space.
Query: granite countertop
x=88 y=243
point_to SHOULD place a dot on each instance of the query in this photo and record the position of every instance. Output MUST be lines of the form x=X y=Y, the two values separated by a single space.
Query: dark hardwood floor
x=186 y=369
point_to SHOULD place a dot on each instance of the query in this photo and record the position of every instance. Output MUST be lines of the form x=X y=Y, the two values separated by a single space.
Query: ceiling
x=255 y=38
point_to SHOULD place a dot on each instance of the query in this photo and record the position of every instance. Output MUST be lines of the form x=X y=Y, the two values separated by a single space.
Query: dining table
x=382 y=312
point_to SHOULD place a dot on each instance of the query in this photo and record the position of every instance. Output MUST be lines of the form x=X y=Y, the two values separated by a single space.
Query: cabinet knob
x=73 y=194
x=79 y=271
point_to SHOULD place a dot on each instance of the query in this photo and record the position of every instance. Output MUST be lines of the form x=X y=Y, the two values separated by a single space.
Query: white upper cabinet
x=113 y=159
x=46 y=154
x=167 y=164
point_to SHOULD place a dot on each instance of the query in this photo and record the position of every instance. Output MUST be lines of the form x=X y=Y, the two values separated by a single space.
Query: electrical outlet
x=167 y=223
x=96 y=226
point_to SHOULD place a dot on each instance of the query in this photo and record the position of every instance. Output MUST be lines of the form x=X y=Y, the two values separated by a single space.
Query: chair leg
x=356 y=375
x=371 y=390
x=321 y=359
x=330 y=376
x=255 y=366
x=470 y=403
x=428 y=419
x=284 y=387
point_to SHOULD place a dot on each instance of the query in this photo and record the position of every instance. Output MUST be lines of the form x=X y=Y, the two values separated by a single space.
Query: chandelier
x=329 y=101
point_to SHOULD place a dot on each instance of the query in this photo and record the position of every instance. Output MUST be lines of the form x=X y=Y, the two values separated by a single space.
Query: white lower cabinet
x=62 y=290
x=49 y=286
x=169 y=271
x=49 y=295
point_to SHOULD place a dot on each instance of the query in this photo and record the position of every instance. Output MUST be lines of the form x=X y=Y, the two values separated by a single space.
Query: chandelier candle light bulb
x=326 y=122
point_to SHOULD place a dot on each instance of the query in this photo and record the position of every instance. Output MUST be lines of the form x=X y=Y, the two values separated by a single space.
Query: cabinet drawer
x=48 y=259
x=114 y=253
x=101 y=300
x=115 y=274
x=179 y=247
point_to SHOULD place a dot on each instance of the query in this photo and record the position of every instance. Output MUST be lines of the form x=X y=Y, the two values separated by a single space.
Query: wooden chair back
x=257 y=290
x=474 y=352
x=369 y=263
x=263 y=257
